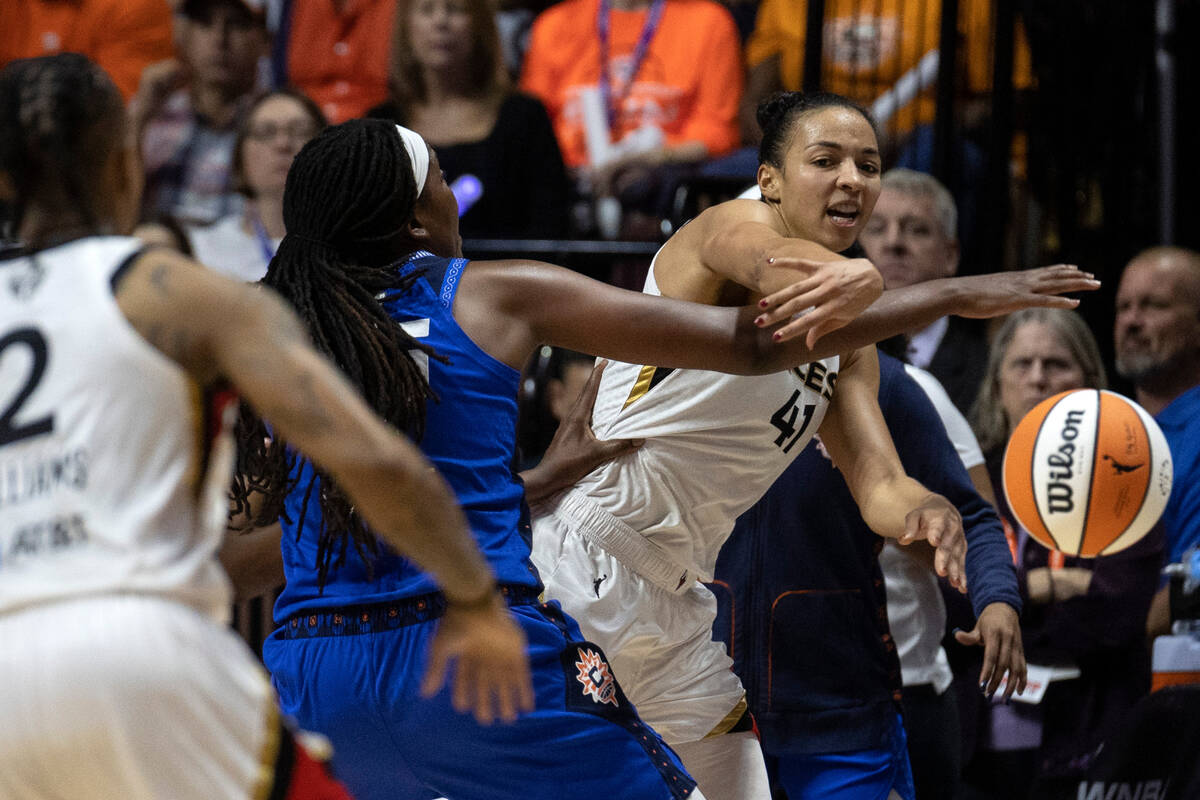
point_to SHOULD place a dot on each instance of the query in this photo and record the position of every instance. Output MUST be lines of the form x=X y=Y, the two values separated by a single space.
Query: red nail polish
x=762 y=303
x=777 y=336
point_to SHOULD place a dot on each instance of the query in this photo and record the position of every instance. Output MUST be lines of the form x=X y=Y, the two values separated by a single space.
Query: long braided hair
x=60 y=117
x=348 y=198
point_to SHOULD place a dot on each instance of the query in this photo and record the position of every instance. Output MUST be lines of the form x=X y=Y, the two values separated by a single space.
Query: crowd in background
x=591 y=119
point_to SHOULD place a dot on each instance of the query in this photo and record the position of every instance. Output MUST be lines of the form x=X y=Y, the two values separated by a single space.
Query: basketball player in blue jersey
x=355 y=618
x=120 y=676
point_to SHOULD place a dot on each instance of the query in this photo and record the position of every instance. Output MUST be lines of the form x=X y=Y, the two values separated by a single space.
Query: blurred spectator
x=336 y=52
x=274 y=129
x=867 y=47
x=1157 y=338
x=912 y=237
x=638 y=90
x=803 y=608
x=495 y=145
x=188 y=110
x=122 y=36
x=1080 y=614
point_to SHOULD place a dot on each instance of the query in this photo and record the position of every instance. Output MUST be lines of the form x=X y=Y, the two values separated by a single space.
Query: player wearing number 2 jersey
x=120 y=678
x=624 y=551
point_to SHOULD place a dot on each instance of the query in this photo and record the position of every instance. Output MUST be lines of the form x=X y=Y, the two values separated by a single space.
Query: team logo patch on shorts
x=596 y=677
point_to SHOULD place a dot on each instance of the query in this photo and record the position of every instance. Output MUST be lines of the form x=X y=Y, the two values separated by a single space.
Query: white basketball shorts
x=655 y=629
x=128 y=697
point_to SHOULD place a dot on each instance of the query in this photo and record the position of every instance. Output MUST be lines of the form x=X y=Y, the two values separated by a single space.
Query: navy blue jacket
x=801 y=597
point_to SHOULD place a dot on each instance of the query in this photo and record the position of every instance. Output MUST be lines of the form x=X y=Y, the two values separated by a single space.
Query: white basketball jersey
x=106 y=484
x=714 y=444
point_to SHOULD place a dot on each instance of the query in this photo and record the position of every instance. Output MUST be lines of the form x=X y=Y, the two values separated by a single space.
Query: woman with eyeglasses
x=274 y=129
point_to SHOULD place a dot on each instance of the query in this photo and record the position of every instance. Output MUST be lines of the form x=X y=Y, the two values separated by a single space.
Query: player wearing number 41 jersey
x=625 y=550
x=120 y=677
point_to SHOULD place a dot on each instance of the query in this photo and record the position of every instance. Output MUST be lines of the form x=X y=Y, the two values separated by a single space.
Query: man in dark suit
x=912 y=237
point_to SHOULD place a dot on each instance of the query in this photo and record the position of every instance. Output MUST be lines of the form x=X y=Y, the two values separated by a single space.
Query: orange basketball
x=1087 y=472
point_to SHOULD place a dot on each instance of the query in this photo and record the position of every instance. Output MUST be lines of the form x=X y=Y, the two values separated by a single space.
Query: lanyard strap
x=260 y=233
x=611 y=103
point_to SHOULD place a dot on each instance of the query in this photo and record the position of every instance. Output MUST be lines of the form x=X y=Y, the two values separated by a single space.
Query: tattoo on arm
x=158 y=279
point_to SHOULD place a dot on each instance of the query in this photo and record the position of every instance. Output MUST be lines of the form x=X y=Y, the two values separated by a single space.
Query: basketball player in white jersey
x=625 y=550
x=120 y=680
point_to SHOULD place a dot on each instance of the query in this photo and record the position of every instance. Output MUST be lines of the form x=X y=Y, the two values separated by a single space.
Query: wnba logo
x=1060 y=496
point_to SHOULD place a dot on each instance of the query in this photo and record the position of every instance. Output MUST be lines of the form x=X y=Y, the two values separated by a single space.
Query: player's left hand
x=938 y=522
x=575 y=451
x=999 y=631
x=491 y=669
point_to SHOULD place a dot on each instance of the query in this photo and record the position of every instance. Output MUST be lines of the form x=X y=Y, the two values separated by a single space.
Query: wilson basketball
x=1087 y=472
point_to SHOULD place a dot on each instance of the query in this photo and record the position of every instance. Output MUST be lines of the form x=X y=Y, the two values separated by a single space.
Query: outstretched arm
x=891 y=503
x=215 y=327
x=914 y=307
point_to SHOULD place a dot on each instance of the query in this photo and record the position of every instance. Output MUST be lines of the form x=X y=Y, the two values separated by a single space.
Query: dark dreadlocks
x=348 y=198
x=60 y=117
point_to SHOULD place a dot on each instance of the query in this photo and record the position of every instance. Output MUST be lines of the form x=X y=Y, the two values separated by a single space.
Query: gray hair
x=991 y=424
x=920 y=184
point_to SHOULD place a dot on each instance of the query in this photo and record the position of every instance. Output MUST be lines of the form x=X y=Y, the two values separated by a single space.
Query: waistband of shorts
x=376 y=617
x=623 y=543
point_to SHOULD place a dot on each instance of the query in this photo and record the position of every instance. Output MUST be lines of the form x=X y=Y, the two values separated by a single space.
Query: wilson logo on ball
x=1087 y=472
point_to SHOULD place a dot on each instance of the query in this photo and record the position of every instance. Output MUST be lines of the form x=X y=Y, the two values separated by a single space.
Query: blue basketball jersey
x=470 y=435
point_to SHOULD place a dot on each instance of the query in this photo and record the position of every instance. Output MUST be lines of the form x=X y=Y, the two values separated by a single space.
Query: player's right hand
x=833 y=295
x=938 y=522
x=483 y=646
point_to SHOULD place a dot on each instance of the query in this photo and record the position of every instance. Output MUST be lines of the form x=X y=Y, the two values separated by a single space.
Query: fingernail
x=956 y=630
x=771 y=260
x=762 y=303
x=983 y=686
x=760 y=321
x=777 y=336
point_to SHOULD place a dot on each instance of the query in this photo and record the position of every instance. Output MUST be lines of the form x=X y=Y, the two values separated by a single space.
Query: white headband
x=418 y=154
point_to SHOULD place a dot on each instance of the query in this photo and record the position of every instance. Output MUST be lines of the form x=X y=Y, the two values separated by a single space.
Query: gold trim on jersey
x=731 y=719
x=640 y=386
x=269 y=754
x=197 y=465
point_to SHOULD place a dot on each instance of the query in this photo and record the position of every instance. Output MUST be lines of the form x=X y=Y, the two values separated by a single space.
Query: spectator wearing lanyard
x=274 y=129
x=1082 y=615
x=668 y=75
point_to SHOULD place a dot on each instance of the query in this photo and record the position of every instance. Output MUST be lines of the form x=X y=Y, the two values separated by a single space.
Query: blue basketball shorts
x=353 y=675
x=851 y=775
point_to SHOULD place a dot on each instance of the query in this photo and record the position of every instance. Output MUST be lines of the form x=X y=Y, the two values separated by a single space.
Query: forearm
x=896 y=311
x=990 y=571
x=887 y=501
x=253 y=561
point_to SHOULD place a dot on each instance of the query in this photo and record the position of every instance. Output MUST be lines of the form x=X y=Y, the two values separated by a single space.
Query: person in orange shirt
x=661 y=80
x=122 y=36
x=336 y=52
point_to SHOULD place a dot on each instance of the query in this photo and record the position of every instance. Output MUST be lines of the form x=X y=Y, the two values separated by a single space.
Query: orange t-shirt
x=340 y=58
x=868 y=46
x=689 y=84
x=122 y=36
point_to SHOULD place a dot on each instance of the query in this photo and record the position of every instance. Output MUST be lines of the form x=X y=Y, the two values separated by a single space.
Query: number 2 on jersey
x=785 y=420
x=11 y=431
